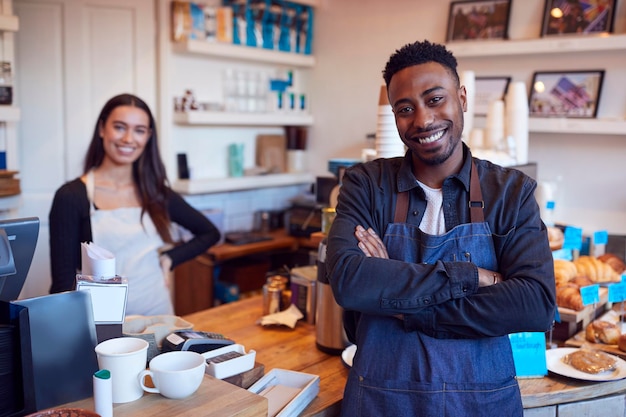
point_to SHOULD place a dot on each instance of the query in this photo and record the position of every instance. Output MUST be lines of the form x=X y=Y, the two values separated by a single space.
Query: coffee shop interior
x=257 y=137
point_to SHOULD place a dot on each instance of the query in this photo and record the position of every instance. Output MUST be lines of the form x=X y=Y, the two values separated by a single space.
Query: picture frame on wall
x=478 y=20
x=488 y=89
x=578 y=17
x=570 y=94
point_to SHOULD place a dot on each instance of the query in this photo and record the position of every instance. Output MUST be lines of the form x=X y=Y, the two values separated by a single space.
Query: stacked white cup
x=388 y=143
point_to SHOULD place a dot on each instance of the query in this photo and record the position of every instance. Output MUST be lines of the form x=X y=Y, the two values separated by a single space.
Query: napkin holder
x=108 y=300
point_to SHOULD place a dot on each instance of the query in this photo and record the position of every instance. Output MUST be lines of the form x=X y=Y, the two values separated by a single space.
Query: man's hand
x=370 y=243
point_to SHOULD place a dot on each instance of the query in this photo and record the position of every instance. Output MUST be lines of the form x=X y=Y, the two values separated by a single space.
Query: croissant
x=568 y=296
x=595 y=269
x=564 y=271
x=614 y=262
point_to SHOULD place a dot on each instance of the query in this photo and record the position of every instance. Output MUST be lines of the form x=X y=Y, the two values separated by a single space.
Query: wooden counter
x=279 y=347
x=214 y=398
x=295 y=350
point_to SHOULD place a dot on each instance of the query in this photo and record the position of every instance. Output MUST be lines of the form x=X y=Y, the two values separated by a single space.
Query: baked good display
x=595 y=269
x=614 y=262
x=590 y=361
x=555 y=238
x=600 y=331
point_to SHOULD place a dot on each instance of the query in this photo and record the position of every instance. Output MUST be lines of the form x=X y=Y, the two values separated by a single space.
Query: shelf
x=218 y=185
x=227 y=50
x=581 y=126
x=9 y=113
x=9 y=23
x=312 y=3
x=10 y=202
x=550 y=45
x=242 y=119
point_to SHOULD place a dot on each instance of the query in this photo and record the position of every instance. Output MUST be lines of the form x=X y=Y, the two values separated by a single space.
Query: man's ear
x=463 y=97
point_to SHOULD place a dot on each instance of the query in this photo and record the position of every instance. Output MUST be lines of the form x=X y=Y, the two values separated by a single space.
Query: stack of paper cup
x=517 y=120
x=494 y=130
x=468 y=79
x=388 y=143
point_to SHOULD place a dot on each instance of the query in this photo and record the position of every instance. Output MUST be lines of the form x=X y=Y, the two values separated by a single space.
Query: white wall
x=354 y=38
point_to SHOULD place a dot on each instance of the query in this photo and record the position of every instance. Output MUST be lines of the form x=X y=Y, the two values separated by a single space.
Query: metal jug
x=330 y=334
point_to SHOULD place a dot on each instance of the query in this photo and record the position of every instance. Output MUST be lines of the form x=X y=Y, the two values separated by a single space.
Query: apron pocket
x=411 y=399
x=483 y=399
x=396 y=398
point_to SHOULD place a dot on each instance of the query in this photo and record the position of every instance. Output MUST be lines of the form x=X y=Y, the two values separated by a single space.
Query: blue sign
x=529 y=354
x=590 y=294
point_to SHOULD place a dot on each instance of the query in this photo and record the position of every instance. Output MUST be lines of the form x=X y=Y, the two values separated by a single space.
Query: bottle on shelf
x=6 y=83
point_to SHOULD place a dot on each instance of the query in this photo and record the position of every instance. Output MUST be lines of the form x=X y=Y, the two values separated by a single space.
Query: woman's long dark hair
x=148 y=170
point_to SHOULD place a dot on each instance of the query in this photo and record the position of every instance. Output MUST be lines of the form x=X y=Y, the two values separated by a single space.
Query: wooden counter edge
x=542 y=392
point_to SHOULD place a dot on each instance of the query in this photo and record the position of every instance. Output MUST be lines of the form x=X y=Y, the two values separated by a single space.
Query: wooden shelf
x=218 y=185
x=581 y=126
x=9 y=113
x=247 y=53
x=242 y=119
x=549 y=45
x=9 y=23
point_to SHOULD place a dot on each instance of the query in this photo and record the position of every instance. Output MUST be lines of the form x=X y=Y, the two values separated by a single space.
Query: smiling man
x=436 y=257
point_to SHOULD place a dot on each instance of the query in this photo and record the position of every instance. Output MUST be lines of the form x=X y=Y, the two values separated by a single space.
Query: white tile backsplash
x=239 y=206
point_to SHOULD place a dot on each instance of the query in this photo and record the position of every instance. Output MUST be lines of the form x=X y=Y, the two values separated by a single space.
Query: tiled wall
x=238 y=207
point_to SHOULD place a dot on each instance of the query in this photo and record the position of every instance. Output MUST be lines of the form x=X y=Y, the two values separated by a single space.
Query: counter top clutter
x=281 y=349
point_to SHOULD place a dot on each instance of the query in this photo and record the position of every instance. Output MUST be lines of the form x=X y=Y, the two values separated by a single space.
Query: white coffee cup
x=125 y=358
x=176 y=374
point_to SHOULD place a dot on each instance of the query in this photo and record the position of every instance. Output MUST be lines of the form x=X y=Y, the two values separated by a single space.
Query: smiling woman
x=123 y=203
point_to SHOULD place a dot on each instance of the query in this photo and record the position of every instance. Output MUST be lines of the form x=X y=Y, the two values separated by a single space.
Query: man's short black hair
x=420 y=53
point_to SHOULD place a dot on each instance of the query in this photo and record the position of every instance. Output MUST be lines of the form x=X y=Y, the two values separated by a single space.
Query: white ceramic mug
x=176 y=374
x=125 y=358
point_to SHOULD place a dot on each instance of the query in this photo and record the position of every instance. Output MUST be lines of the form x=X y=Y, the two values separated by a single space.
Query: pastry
x=590 y=361
x=621 y=342
x=600 y=331
x=564 y=271
x=582 y=281
x=555 y=238
x=568 y=296
x=595 y=269
x=614 y=262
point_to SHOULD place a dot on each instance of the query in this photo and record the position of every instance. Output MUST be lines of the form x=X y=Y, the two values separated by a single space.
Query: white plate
x=348 y=355
x=555 y=364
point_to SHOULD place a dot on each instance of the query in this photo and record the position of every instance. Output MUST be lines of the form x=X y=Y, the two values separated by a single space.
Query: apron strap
x=90 y=185
x=476 y=203
x=402 y=207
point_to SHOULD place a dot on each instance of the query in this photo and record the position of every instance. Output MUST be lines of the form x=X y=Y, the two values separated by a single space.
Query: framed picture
x=478 y=20
x=578 y=17
x=573 y=94
x=488 y=89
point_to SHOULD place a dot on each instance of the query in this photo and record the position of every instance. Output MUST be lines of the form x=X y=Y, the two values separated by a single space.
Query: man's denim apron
x=398 y=373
